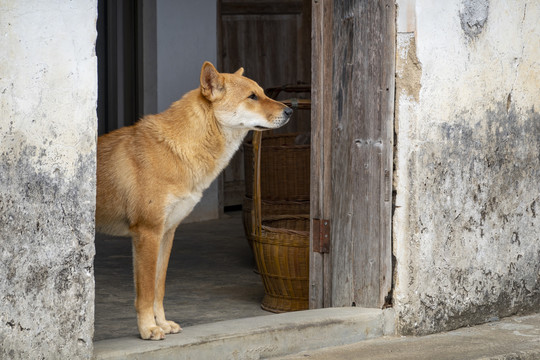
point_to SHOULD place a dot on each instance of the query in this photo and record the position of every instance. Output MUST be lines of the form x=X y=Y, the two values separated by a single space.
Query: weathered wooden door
x=271 y=40
x=353 y=50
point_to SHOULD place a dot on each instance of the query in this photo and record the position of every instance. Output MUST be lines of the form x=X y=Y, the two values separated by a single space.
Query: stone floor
x=210 y=278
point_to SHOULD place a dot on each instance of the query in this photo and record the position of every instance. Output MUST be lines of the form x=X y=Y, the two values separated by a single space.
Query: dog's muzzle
x=287 y=112
x=278 y=121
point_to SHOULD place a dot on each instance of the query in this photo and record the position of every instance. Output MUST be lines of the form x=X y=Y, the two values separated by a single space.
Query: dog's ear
x=239 y=71
x=211 y=82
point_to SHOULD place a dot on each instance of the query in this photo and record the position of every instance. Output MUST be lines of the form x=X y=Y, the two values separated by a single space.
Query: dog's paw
x=152 y=333
x=170 y=327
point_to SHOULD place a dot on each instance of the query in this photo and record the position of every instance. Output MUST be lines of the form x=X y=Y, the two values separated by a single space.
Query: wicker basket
x=270 y=208
x=285 y=166
x=281 y=249
x=282 y=255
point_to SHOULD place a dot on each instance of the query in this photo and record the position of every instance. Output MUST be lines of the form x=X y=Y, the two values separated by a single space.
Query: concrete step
x=258 y=337
x=513 y=338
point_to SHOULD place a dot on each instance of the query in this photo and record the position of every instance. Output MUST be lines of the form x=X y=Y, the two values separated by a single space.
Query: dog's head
x=239 y=102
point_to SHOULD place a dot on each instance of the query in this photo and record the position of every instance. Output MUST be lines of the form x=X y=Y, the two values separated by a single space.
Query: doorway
x=211 y=273
x=350 y=48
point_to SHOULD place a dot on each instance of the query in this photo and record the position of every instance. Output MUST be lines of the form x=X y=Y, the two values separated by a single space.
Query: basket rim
x=287 y=240
x=278 y=230
x=284 y=231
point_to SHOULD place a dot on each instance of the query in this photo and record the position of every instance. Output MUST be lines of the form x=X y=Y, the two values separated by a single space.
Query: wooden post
x=352 y=121
x=321 y=125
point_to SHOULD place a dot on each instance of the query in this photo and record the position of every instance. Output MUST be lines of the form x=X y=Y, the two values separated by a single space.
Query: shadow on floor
x=210 y=278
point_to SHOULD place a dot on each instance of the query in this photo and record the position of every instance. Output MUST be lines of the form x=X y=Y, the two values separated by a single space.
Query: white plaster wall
x=466 y=225
x=48 y=91
x=186 y=37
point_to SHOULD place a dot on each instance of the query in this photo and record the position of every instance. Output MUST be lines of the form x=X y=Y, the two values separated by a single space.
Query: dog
x=150 y=175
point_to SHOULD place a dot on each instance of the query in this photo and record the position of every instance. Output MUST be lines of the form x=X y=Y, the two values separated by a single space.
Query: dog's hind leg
x=162 y=263
x=145 y=255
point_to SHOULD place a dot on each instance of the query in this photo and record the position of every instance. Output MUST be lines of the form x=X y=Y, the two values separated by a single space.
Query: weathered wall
x=467 y=217
x=48 y=90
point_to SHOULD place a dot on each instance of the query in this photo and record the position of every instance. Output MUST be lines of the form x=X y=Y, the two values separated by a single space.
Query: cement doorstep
x=257 y=337
x=514 y=338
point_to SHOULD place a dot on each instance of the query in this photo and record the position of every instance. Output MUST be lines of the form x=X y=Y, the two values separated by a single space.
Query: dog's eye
x=253 y=97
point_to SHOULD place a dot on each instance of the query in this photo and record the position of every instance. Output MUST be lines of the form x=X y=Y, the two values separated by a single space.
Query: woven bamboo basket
x=279 y=156
x=281 y=249
x=282 y=255
x=268 y=209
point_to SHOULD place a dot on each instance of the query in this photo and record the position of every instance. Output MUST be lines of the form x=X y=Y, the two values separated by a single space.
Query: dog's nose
x=288 y=111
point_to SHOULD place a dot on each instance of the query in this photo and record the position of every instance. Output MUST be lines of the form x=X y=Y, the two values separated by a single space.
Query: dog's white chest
x=178 y=208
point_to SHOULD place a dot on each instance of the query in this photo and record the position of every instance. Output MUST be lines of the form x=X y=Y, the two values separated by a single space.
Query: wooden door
x=352 y=134
x=272 y=41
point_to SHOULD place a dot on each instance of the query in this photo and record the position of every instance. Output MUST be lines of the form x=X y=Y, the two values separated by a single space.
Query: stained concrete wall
x=48 y=90
x=186 y=38
x=467 y=217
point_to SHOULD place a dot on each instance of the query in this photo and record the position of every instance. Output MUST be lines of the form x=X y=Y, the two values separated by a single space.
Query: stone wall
x=48 y=89
x=467 y=217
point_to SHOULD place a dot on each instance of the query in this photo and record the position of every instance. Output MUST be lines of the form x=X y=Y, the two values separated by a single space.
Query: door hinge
x=321 y=235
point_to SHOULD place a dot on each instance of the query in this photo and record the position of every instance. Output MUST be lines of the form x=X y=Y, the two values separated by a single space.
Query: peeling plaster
x=409 y=69
x=466 y=225
x=48 y=87
x=473 y=16
x=475 y=251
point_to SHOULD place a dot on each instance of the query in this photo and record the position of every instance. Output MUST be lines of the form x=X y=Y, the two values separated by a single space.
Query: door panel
x=353 y=93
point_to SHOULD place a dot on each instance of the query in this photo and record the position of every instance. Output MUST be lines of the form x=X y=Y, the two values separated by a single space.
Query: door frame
x=352 y=119
x=356 y=268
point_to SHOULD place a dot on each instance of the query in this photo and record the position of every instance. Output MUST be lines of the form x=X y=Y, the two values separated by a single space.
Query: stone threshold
x=258 y=337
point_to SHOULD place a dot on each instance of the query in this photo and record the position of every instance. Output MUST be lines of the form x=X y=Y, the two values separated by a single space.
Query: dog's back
x=139 y=166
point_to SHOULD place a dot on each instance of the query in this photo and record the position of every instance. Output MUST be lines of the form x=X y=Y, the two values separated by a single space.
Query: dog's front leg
x=162 y=263
x=145 y=255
